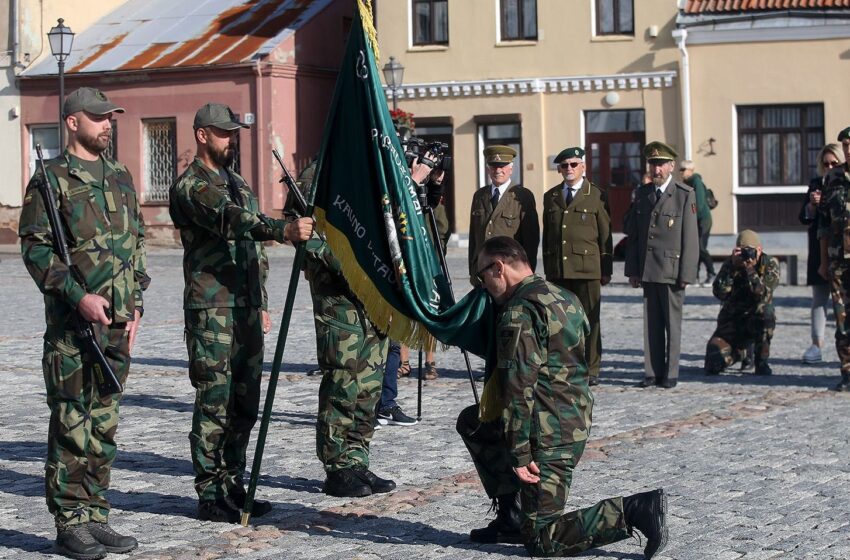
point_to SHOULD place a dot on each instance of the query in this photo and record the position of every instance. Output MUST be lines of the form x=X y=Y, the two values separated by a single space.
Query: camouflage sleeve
x=264 y=274
x=763 y=284
x=140 y=264
x=520 y=358
x=319 y=251
x=831 y=192
x=208 y=207
x=51 y=275
x=723 y=282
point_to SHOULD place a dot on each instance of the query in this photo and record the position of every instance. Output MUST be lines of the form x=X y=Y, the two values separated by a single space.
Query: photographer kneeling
x=745 y=285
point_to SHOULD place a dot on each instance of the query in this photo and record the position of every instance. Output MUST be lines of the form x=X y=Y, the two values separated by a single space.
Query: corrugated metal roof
x=696 y=7
x=149 y=34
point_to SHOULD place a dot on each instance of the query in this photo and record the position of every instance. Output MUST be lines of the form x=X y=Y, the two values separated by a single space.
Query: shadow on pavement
x=24 y=541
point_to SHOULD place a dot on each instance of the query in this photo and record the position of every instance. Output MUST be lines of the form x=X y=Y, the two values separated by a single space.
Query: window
x=160 y=158
x=778 y=144
x=111 y=151
x=47 y=136
x=430 y=22
x=615 y=17
x=519 y=20
x=507 y=134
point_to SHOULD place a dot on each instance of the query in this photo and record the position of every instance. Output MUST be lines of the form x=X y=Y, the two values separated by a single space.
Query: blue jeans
x=389 y=391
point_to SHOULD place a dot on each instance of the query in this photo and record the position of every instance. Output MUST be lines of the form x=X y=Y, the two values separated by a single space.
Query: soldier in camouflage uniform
x=834 y=237
x=745 y=285
x=97 y=202
x=351 y=354
x=225 y=308
x=530 y=430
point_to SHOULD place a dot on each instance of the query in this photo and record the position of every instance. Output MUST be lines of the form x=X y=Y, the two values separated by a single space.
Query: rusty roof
x=151 y=34
x=697 y=7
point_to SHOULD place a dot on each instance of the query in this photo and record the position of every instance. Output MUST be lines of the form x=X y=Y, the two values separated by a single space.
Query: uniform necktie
x=494 y=200
x=657 y=195
x=569 y=196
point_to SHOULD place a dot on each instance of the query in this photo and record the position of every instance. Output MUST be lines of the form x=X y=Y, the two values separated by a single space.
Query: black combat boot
x=75 y=541
x=377 y=484
x=843 y=385
x=647 y=382
x=258 y=507
x=506 y=527
x=220 y=511
x=647 y=512
x=111 y=540
x=345 y=483
x=762 y=368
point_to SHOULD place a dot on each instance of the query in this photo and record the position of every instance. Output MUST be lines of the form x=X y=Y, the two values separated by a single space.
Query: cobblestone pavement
x=755 y=467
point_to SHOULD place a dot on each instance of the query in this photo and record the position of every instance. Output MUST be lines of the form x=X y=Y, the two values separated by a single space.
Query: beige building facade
x=611 y=75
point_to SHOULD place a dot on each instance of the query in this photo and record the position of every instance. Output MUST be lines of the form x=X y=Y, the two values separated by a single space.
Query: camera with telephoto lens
x=415 y=147
x=748 y=253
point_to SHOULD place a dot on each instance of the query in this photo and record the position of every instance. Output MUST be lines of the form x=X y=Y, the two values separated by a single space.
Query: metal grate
x=111 y=151
x=160 y=158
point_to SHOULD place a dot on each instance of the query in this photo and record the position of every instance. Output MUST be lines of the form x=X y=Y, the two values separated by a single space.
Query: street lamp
x=61 y=38
x=393 y=75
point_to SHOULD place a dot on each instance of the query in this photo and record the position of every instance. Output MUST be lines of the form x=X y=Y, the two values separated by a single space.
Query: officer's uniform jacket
x=834 y=215
x=224 y=263
x=577 y=240
x=514 y=216
x=106 y=233
x=542 y=372
x=663 y=238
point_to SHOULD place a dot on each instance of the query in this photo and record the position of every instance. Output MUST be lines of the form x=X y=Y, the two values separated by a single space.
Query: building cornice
x=524 y=86
x=785 y=25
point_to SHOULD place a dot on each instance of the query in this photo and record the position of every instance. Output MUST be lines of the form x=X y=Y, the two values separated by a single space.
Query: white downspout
x=681 y=36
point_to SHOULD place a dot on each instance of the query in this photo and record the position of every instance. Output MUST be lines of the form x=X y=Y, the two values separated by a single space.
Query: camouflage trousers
x=734 y=334
x=351 y=355
x=546 y=529
x=225 y=348
x=840 y=289
x=81 y=436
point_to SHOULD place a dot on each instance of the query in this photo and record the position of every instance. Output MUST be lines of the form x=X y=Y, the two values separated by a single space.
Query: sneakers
x=647 y=512
x=111 y=540
x=75 y=541
x=344 y=483
x=394 y=417
x=813 y=355
x=220 y=511
x=506 y=527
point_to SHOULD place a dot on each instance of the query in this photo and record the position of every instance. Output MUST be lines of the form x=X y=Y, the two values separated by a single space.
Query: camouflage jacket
x=834 y=214
x=332 y=298
x=106 y=233
x=548 y=403
x=744 y=291
x=224 y=263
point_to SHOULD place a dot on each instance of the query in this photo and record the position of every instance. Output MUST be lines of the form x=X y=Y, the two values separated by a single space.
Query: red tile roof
x=695 y=7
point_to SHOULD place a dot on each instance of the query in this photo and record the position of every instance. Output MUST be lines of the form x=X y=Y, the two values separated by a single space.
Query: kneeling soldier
x=745 y=285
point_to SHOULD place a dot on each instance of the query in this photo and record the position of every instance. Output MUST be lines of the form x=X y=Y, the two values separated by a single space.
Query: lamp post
x=61 y=38
x=393 y=76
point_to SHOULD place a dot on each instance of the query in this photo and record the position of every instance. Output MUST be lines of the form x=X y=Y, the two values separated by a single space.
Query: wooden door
x=615 y=163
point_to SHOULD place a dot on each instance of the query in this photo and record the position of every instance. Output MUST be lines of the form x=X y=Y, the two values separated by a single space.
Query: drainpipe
x=681 y=36
x=13 y=27
x=261 y=177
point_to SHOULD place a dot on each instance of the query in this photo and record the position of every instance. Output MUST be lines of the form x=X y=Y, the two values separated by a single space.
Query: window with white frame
x=518 y=20
x=615 y=17
x=778 y=144
x=46 y=136
x=160 y=157
x=430 y=22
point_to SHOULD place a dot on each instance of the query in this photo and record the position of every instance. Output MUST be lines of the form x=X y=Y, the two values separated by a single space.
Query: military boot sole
x=59 y=549
x=121 y=549
x=651 y=550
x=490 y=536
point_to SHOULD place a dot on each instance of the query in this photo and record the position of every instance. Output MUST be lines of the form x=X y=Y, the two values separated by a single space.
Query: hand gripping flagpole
x=278 y=358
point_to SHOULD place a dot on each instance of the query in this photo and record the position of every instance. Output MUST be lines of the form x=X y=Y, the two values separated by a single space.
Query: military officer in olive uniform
x=530 y=430
x=501 y=208
x=225 y=308
x=834 y=226
x=662 y=256
x=97 y=203
x=577 y=244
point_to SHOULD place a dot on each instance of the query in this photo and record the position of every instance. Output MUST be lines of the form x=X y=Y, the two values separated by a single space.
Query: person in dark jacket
x=694 y=180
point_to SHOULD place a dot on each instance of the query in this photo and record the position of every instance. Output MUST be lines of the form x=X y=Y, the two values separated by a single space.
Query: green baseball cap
x=569 y=153
x=217 y=115
x=659 y=151
x=844 y=134
x=499 y=155
x=748 y=238
x=90 y=100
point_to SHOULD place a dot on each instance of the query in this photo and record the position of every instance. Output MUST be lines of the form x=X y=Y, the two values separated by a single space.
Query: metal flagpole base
x=245 y=517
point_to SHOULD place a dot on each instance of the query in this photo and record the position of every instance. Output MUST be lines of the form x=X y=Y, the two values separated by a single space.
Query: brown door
x=615 y=163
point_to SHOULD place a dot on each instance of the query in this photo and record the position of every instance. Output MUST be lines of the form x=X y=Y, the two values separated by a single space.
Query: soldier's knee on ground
x=718 y=355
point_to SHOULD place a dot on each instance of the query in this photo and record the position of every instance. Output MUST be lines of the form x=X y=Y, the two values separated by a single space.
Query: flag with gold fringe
x=366 y=205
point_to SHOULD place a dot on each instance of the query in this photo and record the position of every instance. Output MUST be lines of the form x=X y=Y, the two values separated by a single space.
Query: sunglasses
x=567 y=164
x=480 y=273
x=831 y=163
x=683 y=169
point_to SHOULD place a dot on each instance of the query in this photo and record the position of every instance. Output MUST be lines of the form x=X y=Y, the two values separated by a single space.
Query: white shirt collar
x=575 y=189
x=663 y=187
x=501 y=188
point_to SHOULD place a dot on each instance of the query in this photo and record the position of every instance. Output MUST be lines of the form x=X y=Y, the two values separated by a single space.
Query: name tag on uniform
x=110 y=201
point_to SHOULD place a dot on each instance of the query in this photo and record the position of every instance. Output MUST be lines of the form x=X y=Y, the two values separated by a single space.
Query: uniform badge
x=670 y=223
x=583 y=217
x=693 y=207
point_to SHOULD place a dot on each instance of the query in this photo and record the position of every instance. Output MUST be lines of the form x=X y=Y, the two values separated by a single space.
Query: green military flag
x=367 y=206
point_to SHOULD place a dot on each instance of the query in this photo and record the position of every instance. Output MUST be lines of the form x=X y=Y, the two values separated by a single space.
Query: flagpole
x=278 y=358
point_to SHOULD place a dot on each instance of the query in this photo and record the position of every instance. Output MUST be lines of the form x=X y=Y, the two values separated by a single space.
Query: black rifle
x=290 y=182
x=105 y=379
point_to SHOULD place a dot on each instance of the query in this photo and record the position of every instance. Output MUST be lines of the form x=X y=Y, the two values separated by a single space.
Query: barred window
x=160 y=157
x=430 y=22
x=778 y=144
x=615 y=17
x=111 y=151
x=519 y=20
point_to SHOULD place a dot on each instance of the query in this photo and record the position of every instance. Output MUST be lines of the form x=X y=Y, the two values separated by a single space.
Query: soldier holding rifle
x=95 y=206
